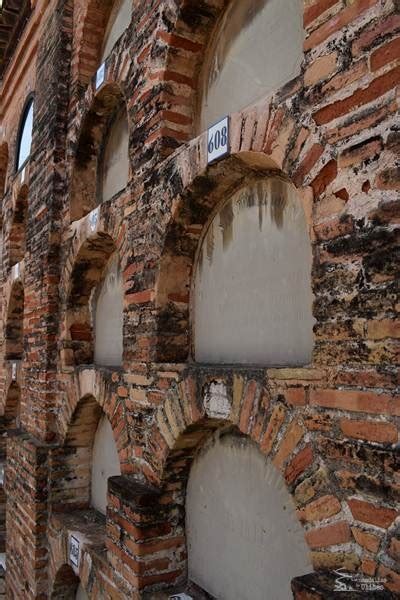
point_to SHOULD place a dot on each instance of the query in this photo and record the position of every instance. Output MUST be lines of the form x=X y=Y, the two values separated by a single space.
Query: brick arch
x=65 y=584
x=96 y=383
x=198 y=190
x=235 y=402
x=91 y=134
x=91 y=22
x=85 y=268
x=17 y=236
x=73 y=458
x=14 y=342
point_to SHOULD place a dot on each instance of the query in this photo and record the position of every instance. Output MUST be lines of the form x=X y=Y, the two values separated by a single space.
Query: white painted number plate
x=74 y=551
x=100 y=75
x=218 y=140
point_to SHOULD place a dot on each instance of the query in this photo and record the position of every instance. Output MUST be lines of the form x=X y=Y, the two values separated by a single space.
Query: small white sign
x=14 y=371
x=94 y=218
x=218 y=140
x=15 y=271
x=74 y=551
x=180 y=597
x=100 y=75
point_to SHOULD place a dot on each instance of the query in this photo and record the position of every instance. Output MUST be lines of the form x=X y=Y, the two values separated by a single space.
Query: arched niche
x=101 y=164
x=119 y=20
x=114 y=164
x=257 y=47
x=105 y=464
x=241 y=544
x=252 y=295
x=94 y=316
x=85 y=462
x=18 y=227
x=108 y=311
x=14 y=333
x=24 y=140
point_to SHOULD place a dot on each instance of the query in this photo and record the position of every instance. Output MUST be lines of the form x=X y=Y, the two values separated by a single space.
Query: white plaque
x=180 y=597
x=100 y=75
x=14 y=371
x=74 y=551
x=218 y=140
x=94 y=218
x=216 y=401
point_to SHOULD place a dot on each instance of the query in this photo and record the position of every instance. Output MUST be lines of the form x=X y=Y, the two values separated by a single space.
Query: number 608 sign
x=218 y=140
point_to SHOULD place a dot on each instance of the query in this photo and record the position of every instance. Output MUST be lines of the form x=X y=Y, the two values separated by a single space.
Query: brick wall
x=331 y=428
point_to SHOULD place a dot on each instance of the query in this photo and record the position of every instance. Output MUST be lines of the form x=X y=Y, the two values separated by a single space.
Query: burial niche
x=241 y=544
x=108 y=310
x=119 y=20
x=257 y=48
x=105 y=464
x=252 y=287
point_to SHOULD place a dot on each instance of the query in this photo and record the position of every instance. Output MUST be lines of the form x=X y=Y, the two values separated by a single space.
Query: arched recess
x=101 y=163
x=103 y=23
x=3 y=167
x=94 y=313
x=14 y=330
x=256 y=48
x=207 y=450
x=118 y=21
x=252 y=292
x=86 y=460
x=207 y=196
x=18 y=226
x=66 y=584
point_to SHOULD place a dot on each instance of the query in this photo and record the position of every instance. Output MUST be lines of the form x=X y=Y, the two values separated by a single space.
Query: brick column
x=141 y=540
x=26 y=491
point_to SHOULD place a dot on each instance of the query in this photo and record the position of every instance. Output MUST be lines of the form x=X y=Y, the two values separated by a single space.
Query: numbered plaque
x=74 y=551
x=218 y=140
x=100 y=75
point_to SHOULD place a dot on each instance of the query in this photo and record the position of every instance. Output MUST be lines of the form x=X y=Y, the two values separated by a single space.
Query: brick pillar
x=141 y=539
x=26 y=491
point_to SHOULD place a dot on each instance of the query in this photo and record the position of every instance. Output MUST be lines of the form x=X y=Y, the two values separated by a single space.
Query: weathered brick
x=370 y=513
x=330 y=535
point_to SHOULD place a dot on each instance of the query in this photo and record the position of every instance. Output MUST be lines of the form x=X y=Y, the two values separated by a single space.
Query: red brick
x=337 y=533
x=394 y=549
x=338 y=22
x=357 y=401
x=369 y=513
x=361 y=152
x=311 y=13
x=295 y=396
x=378 y=87
x=299 y=464
x=389 y=179
x=292 y=437
x=324 y=178
x=312 y=157
x=385 y=54
x=369 y=541
x=377 y=30
x=370 y=430
x=392 y=579
x=275 y=423
x=320 y=509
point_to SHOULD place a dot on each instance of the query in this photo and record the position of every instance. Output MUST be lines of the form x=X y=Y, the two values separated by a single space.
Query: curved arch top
x=257 y=48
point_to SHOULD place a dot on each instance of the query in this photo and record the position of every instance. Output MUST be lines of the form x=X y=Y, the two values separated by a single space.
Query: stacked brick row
x=330 y=428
